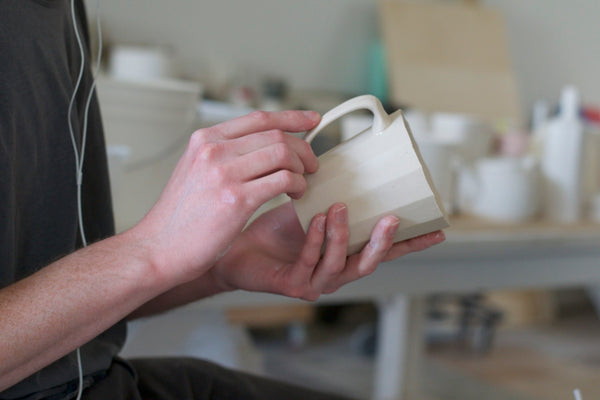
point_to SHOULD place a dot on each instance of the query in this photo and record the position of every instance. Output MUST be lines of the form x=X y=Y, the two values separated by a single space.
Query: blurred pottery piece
x=504 y=189
x=442 y=160
x=474 y=135
x=147 y=126
x=140 y=63
x=376 y=173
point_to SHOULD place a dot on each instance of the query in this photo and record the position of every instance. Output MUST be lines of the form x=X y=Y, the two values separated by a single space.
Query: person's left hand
x=274 y=254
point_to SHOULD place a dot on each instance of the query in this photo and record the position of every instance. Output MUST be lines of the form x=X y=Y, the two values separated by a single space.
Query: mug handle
x=381 y=119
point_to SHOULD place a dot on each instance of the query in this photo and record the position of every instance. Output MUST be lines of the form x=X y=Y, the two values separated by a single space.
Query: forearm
x=66 y=304
x=201 y=288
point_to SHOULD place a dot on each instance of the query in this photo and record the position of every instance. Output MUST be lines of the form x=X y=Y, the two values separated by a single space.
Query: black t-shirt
x=39 y=65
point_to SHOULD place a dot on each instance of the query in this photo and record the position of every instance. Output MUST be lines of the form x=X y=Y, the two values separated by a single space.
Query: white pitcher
x=376 y=173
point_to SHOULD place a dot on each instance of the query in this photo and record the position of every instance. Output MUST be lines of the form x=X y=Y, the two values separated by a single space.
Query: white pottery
x=141 y=63
x=147 y=126
x=376 y=173
x=474 y=135
x=504 y=189
x=442 y=160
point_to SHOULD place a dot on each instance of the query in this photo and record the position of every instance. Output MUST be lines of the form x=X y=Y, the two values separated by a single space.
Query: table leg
x=399 y=348
x=594 y=294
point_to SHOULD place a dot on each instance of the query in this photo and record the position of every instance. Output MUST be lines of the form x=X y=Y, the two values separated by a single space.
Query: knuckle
x=338 y=235
x=278 y=136
x=311 y=296
x=295 y=292
x=286 y=178
x=209 y=151
x=231 y=196
x=368 y=270
x=198 y=137
x=293 y=115
x=219 y=173
x=281 y=152
x=307 y=146
x=336 y=268
x=260 y=116
x=330 y=290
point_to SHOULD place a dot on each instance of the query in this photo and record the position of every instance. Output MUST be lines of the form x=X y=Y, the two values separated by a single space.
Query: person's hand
x=224 y=175
x=275 y=255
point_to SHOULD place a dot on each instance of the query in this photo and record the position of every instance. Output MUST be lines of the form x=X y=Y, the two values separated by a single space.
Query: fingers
x=263 y=189
x=364 y=263
x=251 y=143
x=267 y=160
x=381 y=248
x=314 y=274
x=418 y=243
x=382 y=239
x=334 y=258
x=299 y=279
x=259 y=121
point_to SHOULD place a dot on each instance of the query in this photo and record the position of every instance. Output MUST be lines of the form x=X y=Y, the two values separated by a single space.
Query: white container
x=503 y=189
x=473 y=135
x=147 y=125
x=442 y=160
x=561 y=161
x=376 y=173
x=140 y=63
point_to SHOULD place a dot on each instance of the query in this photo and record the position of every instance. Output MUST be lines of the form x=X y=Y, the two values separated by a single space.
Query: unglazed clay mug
x=376 y=173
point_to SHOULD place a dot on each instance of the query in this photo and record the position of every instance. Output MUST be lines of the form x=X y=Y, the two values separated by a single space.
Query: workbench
x=476 y=256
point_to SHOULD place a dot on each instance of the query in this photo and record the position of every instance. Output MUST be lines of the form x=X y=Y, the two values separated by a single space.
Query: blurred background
x=503 y=100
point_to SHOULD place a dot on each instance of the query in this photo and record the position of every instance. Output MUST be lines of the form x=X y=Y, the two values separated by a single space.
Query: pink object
x=513 y=144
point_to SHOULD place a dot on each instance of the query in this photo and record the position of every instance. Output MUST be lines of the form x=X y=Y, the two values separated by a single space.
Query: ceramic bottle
x=561 y=160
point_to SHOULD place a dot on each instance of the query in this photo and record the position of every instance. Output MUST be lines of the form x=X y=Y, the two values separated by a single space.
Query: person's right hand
x=225 y=174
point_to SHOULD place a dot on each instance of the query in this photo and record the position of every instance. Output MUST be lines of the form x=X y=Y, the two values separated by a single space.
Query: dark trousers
x=190 y=379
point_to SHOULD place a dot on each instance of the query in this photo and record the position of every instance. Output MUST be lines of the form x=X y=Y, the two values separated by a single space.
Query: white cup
x=504 y=189
x=376 y=173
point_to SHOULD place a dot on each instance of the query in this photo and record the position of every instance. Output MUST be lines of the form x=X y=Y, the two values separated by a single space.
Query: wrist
x=219 y=273
x=151 y=273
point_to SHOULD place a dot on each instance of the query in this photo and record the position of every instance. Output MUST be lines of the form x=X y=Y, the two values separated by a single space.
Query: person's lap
x=189 y=378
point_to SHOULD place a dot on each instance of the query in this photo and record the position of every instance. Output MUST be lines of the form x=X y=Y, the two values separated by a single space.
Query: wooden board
x=449 y=57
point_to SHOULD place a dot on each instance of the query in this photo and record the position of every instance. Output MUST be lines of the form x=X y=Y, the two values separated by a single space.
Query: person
x=65 y=305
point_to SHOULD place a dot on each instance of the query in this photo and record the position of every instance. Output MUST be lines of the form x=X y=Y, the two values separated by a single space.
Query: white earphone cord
x=79 y=156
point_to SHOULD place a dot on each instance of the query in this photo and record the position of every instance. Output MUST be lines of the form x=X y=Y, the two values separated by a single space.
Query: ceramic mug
x=376 y=173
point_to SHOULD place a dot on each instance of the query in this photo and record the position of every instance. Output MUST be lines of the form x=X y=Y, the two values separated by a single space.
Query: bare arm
x=225 y=174
x=61 y=307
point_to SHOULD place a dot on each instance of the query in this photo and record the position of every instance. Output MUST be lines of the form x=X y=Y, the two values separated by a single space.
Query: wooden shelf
x=470 y=228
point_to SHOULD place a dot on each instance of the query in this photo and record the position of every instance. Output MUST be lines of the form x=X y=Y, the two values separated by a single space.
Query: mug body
x=375 y=174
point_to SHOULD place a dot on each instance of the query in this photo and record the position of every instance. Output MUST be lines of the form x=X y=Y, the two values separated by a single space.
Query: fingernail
x=440 y=236
x=312 y=115
x=341 y=215
x=392 y=228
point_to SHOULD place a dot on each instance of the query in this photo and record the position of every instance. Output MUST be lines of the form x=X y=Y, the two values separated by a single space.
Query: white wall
x=323 y=44
x=554 y=42
x=313 y=43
